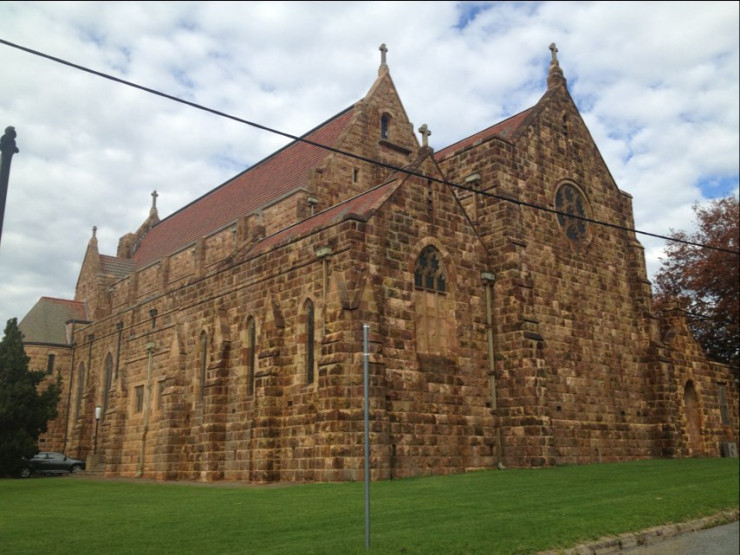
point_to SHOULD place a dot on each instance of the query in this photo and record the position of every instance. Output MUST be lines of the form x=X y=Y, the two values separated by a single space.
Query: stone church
x=506 y=325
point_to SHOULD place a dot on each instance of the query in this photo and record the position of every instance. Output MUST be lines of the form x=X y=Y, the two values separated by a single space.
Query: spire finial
x=93 y=242
x=554 y=51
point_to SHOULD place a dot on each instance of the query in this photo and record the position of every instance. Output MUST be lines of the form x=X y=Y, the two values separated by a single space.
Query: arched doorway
x=693 y=419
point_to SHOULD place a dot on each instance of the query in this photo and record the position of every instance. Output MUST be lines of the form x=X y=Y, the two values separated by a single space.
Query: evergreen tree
x=24 y=411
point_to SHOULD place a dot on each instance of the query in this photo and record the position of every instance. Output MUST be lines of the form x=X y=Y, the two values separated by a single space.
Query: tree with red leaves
x=705 y=282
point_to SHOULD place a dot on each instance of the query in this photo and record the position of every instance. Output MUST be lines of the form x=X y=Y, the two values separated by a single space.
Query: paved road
x=720 y=540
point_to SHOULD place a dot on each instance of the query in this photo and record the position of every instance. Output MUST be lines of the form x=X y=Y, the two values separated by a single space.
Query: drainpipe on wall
x=147 y=398
x=488 y=280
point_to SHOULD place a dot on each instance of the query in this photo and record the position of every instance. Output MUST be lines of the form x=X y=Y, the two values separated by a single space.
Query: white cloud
x=656 y=82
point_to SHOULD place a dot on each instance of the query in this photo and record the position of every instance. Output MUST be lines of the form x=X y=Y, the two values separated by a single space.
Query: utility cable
x=356 y=156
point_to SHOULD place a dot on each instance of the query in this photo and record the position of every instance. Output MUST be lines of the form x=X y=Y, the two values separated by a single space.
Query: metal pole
x=7 y=149
x=365 y=328
x=98 y=414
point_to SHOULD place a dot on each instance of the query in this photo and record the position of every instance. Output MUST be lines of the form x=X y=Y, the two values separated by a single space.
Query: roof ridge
x=296 y=140
x=490 y=131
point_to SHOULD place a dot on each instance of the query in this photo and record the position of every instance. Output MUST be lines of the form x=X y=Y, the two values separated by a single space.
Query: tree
x=24 y=411
x=705 y=282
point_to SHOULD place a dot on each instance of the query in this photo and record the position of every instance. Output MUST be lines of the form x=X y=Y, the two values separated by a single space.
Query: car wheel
x=25 y=472
x=75 y=469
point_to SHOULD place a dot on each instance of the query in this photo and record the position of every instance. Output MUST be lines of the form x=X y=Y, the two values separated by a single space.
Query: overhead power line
x=356 y=156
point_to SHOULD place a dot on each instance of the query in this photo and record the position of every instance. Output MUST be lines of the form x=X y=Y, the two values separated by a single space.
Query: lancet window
x=310 y=341
x=251 y=354
x=434 y=319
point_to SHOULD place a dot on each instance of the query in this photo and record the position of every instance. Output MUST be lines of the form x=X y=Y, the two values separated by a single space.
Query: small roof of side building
x=46 y=321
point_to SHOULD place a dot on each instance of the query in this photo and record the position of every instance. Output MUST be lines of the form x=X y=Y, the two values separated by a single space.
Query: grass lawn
x=487 y=512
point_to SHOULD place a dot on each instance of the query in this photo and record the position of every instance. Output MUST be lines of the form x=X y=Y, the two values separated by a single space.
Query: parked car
x=47 y=462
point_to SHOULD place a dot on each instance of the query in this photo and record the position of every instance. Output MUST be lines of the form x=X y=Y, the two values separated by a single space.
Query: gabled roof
x=361 y=207
x=117 y=267
x=505 y=129
x=282 y=172
x=46 y=321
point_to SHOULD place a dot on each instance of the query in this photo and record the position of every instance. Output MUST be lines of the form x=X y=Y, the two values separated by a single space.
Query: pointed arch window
x=80 y=387
x=107 y=381
x=203 y=363
x=435 y=325
x=251 y=354
x=384 y=121
x=569 y=201
x=429 y=273
x=310 y=341
x=724 y=409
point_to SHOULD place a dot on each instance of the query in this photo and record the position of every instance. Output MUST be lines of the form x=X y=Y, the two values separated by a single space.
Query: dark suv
x=51 y=463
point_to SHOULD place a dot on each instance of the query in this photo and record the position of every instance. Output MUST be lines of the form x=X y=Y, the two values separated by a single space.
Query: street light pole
x=366 y=418
x=98 y=414
x=7 y=149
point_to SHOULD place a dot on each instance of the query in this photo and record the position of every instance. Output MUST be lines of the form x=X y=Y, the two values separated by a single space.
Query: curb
x=615 y=545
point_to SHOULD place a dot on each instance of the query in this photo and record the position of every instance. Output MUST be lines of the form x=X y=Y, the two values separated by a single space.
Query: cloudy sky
x=656 y=83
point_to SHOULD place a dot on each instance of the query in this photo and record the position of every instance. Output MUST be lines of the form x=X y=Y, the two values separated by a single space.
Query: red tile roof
x=361 y=206
x=270 y=179
x=118 y=267
x=505 y=129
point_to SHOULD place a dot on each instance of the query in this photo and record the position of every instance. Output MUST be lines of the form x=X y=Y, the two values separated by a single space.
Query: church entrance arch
x=693 y=422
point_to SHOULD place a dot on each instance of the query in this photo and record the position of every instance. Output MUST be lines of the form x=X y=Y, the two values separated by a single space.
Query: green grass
x=488 y=512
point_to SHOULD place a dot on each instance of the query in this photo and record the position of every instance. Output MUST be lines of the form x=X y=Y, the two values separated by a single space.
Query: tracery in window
x=429 y=273
x=569 y=200
x=434 y=320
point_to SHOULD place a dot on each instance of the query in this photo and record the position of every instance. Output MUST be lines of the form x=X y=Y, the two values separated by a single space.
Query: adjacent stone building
x=506 y=325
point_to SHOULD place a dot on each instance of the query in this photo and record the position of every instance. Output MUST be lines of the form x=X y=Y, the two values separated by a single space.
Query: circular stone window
x=569 y=200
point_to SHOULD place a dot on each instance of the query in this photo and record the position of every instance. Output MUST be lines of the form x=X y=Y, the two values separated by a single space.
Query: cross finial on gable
x=95 y=229
x=424 y=130
x=383 y=50
x=554 y=51
x=555 y=75
x=154 y=199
